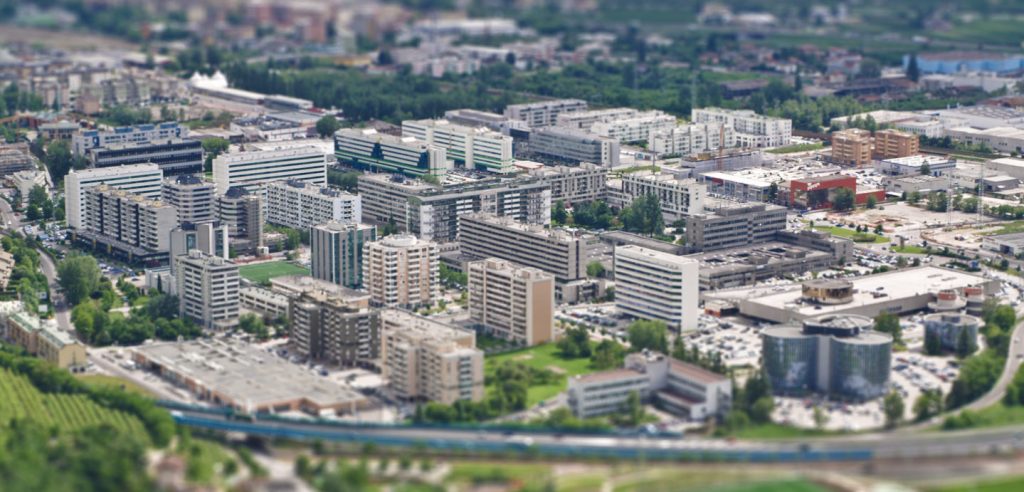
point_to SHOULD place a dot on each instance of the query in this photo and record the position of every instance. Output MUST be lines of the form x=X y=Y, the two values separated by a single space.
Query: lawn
x=1005 y=484
x=850 y=233
x=777 y=431
x=997 y=415
x=796 y=485
x=790 y=149
x=478 y=473
x=113 y=382
x=541 y=357
x=1007 y=228
x=263 y=272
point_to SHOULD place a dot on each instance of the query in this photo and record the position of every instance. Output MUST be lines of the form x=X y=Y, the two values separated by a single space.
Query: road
x=60 y=307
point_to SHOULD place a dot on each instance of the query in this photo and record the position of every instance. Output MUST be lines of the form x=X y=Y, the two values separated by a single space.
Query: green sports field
x=263 y=272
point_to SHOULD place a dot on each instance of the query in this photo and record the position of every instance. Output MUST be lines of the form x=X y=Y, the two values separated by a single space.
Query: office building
x=677 y=387
x=211 y=238
x=127 y=225
x=851 y=147
x=476 y=119
x=141 y=179
x=87 y=140
x=752 y=130
x=401 y=270
x=335 y=329
x=173 y=156
x=558 y=252
x=301 y=204
x=241 y=212
x=264 y=302
x=953 y=330
x=191 y=196
x=573 y=184
x=207 y=289
x=336 y=252
x=585 y=120
x=678 y=197
x=726 y=224
x=657 y=286
x=474 y=148
x=434 y=212
x=562 y=145
x=511 y=302
x=935 y=165
x=636 y=128
x=691 y=139
x=890 y=143
x=838 y=355
x=43 y=339
x=252 y=166
x=544 y=113
x=378 y=152
x=426 y=360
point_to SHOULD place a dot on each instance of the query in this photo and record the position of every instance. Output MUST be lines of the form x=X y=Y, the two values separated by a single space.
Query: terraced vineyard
x=22 y=400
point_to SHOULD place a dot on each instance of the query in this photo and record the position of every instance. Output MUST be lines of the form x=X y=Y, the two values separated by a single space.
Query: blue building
x=966 y=61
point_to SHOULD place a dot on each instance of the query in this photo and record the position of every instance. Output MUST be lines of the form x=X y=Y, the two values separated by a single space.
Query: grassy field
x=849 y=233
x=22 y=400
x=263 y=272
x=542 y=357
x=113 y=382
x=1007 y=228
x=790 y=149
x=997 y=415
x=909 y=249
x=1005 y=484
x=777 y=431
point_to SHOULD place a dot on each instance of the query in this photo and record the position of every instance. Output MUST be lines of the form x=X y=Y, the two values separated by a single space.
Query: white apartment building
x=87 y=140
x=565 y=145
x=424 y=359
x=637 y=128
x=573 y=184
x=141 y=179
x=678 y=197
x=677 y=387
x=544 y=113
x=128 y=222
x=654 y=285
x=367 y=149
x=476 y=148
x=252 y=166
x=752 y=130
x=208 y=290
x=401 y=270
x=692 y=138
x=301 y=204
x=511 y=302
x=191 y=196
x=584 y=120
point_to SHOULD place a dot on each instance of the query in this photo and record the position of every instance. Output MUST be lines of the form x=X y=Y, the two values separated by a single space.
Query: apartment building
x=209 y=237
x=851 y=147
x=127 y=224
x=563 y=145
x=544 y=113
x=253 y=166
x=637 y=128
x=264 y=302
x=434 y=212
x=335 y=329
x=890 y=143
x=584 y=120
x=300 y=205
x=401 y=271
x=678 y=197
x=43 y=339
x=752 y=130
x=207 y=289
x=6 y=267
x=691 y=139
x=173 y=156
x=655 y=285
x=369 y=150
x=493 y=121
x=558 y=252
x=336 y=252
x=511 y=302
x=426 y=360
x=474 y=148
x=573 y=184
x=677 y=387
x=191 y=196
x=242 y=213
x=141 y=179
x=730 y=225
x=85 y=141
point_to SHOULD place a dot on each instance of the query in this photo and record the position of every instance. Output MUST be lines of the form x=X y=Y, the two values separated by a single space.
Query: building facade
x=657 y=286
x=752 y=130
x=573 y=184
x=474 y=148
x=43 y=339
x=562 y=145
x=207 y=289
x=141 y=179
x=890 y=143
x=339 y=330
x=336 y=252
x=123 y=221
x=692 y=138
x=678 y=197
x=300 y=205
x=401 y=270
x=241 y=212
x=192 y=197
x=368 y=150
x=174 y=156
x=544 y=113
x=733 y=225
x=851 y=147
x=560 y=253
x=511 y=302
x=253 y=166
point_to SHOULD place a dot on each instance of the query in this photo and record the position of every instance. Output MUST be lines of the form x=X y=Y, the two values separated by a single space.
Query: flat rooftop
x=246 y=374
x=899 y=284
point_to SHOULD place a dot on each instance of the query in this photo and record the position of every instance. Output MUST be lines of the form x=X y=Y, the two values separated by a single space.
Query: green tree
x=607 y=355
x=643 y=215
x=79 y=275
x=932 y=343
x=648 y=334
x=575 y=343
x=213 y=147
x=927 y=405
x=871 y=202
x=965 y=346
x=595 y=269
x=253 y=324
x=887 y=322
x=558 y=214
x=842 y=200
x=820 y=418
x=913 y=71
x=327 y=125
x=761 y=410
x=926 y=170
x=892 y=407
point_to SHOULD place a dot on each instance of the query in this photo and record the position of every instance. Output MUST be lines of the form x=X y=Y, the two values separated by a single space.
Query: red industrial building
x=818 y=192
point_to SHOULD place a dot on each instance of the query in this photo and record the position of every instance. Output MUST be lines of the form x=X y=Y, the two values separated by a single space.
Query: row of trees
x=979 y=372
x=27 y=280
